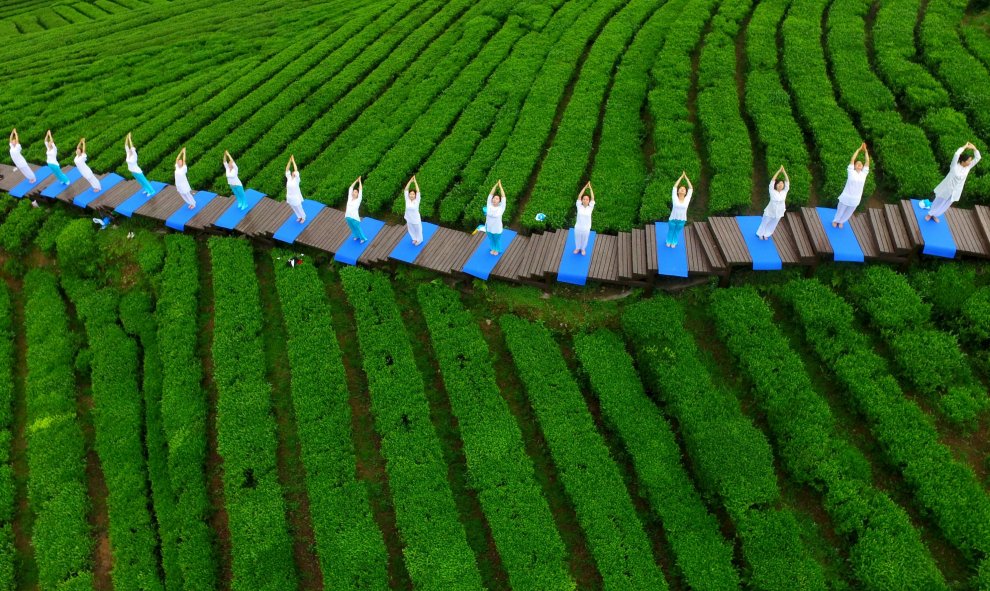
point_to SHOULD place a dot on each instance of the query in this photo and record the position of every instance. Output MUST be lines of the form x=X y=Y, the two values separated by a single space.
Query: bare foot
x=577 y=250
x=936 y=220
x=840 y=225
x=582 y=252
x=928 y=218
x=192 y=207
x=835 y=224
x=416 y=242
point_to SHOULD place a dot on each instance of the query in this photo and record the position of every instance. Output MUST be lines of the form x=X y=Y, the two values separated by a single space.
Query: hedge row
x=732 y=457
x=436 y=551
x=977 y=41
x=833 y=134
x=19 y=228
x=927 y=358
x=7 y=500
x=183 y=410
x=729 y=150
x=944 y=487
x=702 y=556
x=673 y=132
x=55 y=449
x=562 y=173
x=260 y=547
x=885 y=549
x=498 y=467
x=769 y=105
x=900 y=148
x=590 y=477
x=348 y=543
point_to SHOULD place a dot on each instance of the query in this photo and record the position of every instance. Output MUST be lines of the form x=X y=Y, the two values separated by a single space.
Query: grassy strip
x=7 y=500
x=348 y=543
x=702 y=555
x=436 y=551
x=590 y=476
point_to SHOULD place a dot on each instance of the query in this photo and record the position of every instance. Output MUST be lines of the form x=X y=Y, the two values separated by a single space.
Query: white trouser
x=27 y=172
x=581 y=238
x=767 y=225
x=187 y=197
x=843 y=213
x=93 y=181
x=297 y=209
x=940 y=206
x=415 y=231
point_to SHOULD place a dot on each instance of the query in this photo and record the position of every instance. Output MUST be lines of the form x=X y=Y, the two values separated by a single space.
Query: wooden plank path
x=714 y=247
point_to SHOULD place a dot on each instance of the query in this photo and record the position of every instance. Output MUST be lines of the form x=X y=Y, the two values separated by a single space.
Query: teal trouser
x=674 y=228
x=356 y=230
x=59 y=174
x=140 y=178
x=239 y=194
x=495 y=240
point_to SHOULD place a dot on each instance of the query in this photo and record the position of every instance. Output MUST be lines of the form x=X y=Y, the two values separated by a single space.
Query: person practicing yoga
x=182 y=181
x=777 y=207
x=18 y=158
x=84 y=169
x=354 y=196
x=950 y=189
x=493 y=217
x=852 y=194
x=680 y=197
x=230 y=168
x=414 y=223
x=293 y=195
x=132 y=166
x=51 y=153
x=582 y=225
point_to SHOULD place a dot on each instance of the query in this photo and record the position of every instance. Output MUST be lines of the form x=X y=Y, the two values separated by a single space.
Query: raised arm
x=81 y=146
x=591 y=192
x=288 y=165
x=405 y=190
x=787 y=178
x=416 y=183
x=360 y=188
x=49 y=140
x=866 y=153
x=13 y=136
x=295 y=167
x=856 y=154
x=687 y=180
x=501 y=192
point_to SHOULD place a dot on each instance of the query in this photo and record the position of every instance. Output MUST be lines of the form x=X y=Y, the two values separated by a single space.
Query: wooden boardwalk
x=714 y=247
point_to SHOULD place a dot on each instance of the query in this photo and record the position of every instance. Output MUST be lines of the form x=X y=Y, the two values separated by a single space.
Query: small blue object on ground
x=574 y=267
x=482 y=262
x=135 y=201
x=763 y=252
x=671 y=261
x=25 y=186
x=179 y=219
x=291 y=228
x=88 y=196
x=55 y=189
x=351 y=249
x=845 y=245
x=937 y=235
x=405 y=251
x=233 y=216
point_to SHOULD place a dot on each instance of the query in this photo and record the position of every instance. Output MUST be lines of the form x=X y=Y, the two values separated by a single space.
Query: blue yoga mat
x=844 y=243
x=351 y=249
x=405 y=251
x=482 y=262
x=25 y=186
x=574 y=267
x=56 y=187
x=291 y=229
x=178 y=220
x=135 y=201
x=764 y=252
x=88 y=196
x=234 y=215
x=937 y=235
x=671 y=261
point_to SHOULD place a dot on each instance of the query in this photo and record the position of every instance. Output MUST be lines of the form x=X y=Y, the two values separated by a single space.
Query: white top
x=16 y=156
x=852 y=194
x=232 y=179
x=584 y=215
x=952 y=185
x=678 y=208
x=353 y=205
x=131 y=159
x=181 y=182
x=293 y=195
x=52 y=154
x=493 y=219
x=81 y=166
x=777 y=208
x=412 y=209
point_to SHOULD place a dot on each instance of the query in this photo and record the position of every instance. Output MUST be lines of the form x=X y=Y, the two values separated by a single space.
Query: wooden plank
x=75 y=189
x=652 y=267
x=860 y=224
x=878 y=226
x=461 y=256
x=163 y=205
x=816 y=233
x=435 y=247
x=639 y=253
x=316 y=233
x=712 y=251
x=556 y=254
x=982 y=215
x=210 y=213
x=911 y=223
x=10 y=177
x=535 y=269
x=783 y=240
x=624 y=256
x=730 y=241
x=116 y=195
x=967 y=233
x=505 y=268
x=602 y=259
x=898 y=229
x=801 y=239
x=697 y=261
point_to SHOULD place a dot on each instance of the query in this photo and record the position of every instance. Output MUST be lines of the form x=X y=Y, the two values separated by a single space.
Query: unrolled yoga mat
x=574 y=267
x=844 y=243
x=291 y=229
x=482 y=262
x=106 y=183
x=25 y=186
x=135 y=201
x=351 y=249
x=671 y=261
x=55 y=189
x=233 y=216
x=763 y=252
x=937 y=235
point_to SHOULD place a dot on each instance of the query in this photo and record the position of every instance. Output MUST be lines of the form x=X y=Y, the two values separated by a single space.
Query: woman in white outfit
x=293 y=195
x=131 y=157
x=582 y=225
x=680 y=198
x=777 y=206
x=18 y=158
x=950 y=189
x=414 y=223
x=182 y=181
x=493 y=218
x=84 y=169
x=852 y=194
